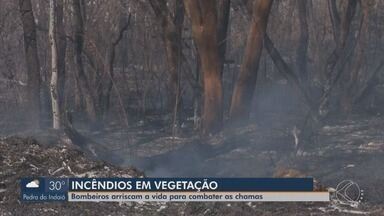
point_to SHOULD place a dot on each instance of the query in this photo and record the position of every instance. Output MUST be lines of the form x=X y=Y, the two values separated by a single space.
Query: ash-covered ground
x=346 y=149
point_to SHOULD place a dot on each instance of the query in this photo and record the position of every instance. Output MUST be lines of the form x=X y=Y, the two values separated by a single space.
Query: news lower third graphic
x=171 y=190
x=44 y=189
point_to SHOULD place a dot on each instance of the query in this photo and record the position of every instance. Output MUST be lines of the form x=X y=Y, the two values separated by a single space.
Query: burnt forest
x=192 y=88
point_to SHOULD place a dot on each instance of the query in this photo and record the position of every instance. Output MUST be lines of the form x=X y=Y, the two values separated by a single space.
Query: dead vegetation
x=242 y=152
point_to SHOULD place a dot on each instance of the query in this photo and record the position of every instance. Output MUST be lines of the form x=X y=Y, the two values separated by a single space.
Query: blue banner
x=57 y=189
x=191 y=184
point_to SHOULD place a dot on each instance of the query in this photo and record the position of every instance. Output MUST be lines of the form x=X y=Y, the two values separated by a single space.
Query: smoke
x=268 y=131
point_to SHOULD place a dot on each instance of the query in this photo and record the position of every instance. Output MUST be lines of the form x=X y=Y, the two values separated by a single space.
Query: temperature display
x=56 y=185
x=44 y=189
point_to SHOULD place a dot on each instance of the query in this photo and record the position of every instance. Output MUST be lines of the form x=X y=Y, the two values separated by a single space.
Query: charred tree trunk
x=332 y=72
x=335 y=18
x=286 y=71
x=53 y=87
x=352 y=85
x=32 y=60
x=224 y=7
x=302 y=50
x=310 y=123
x=246 y=82
x=84 y=86
x=105 y=91
x=371 y=82
x=62 y=48
x=203 y=16
x=172 y=26
x=109 y=70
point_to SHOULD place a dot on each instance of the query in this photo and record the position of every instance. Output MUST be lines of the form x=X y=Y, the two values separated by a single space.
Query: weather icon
x=33 y=184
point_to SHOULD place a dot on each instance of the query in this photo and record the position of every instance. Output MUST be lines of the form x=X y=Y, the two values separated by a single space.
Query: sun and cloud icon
x=33 y=184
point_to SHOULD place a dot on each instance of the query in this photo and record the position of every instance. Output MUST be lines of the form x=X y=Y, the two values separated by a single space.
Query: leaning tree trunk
x=335 y=62
x=203 y=16
x=32 y=60
x=246 y=82
x=54 y=66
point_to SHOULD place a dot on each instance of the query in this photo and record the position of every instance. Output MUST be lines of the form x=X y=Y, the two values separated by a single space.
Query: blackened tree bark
x=62 y=48
x=338 y=56
x=287 y=72
x=172 y=25
x=203 y=16
x=32 y=60
x=224 y=7
x=302 y=49
x=78 y=25
x=246 y=82
x=335 y=18
x=109 y=70
x=352 y=84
